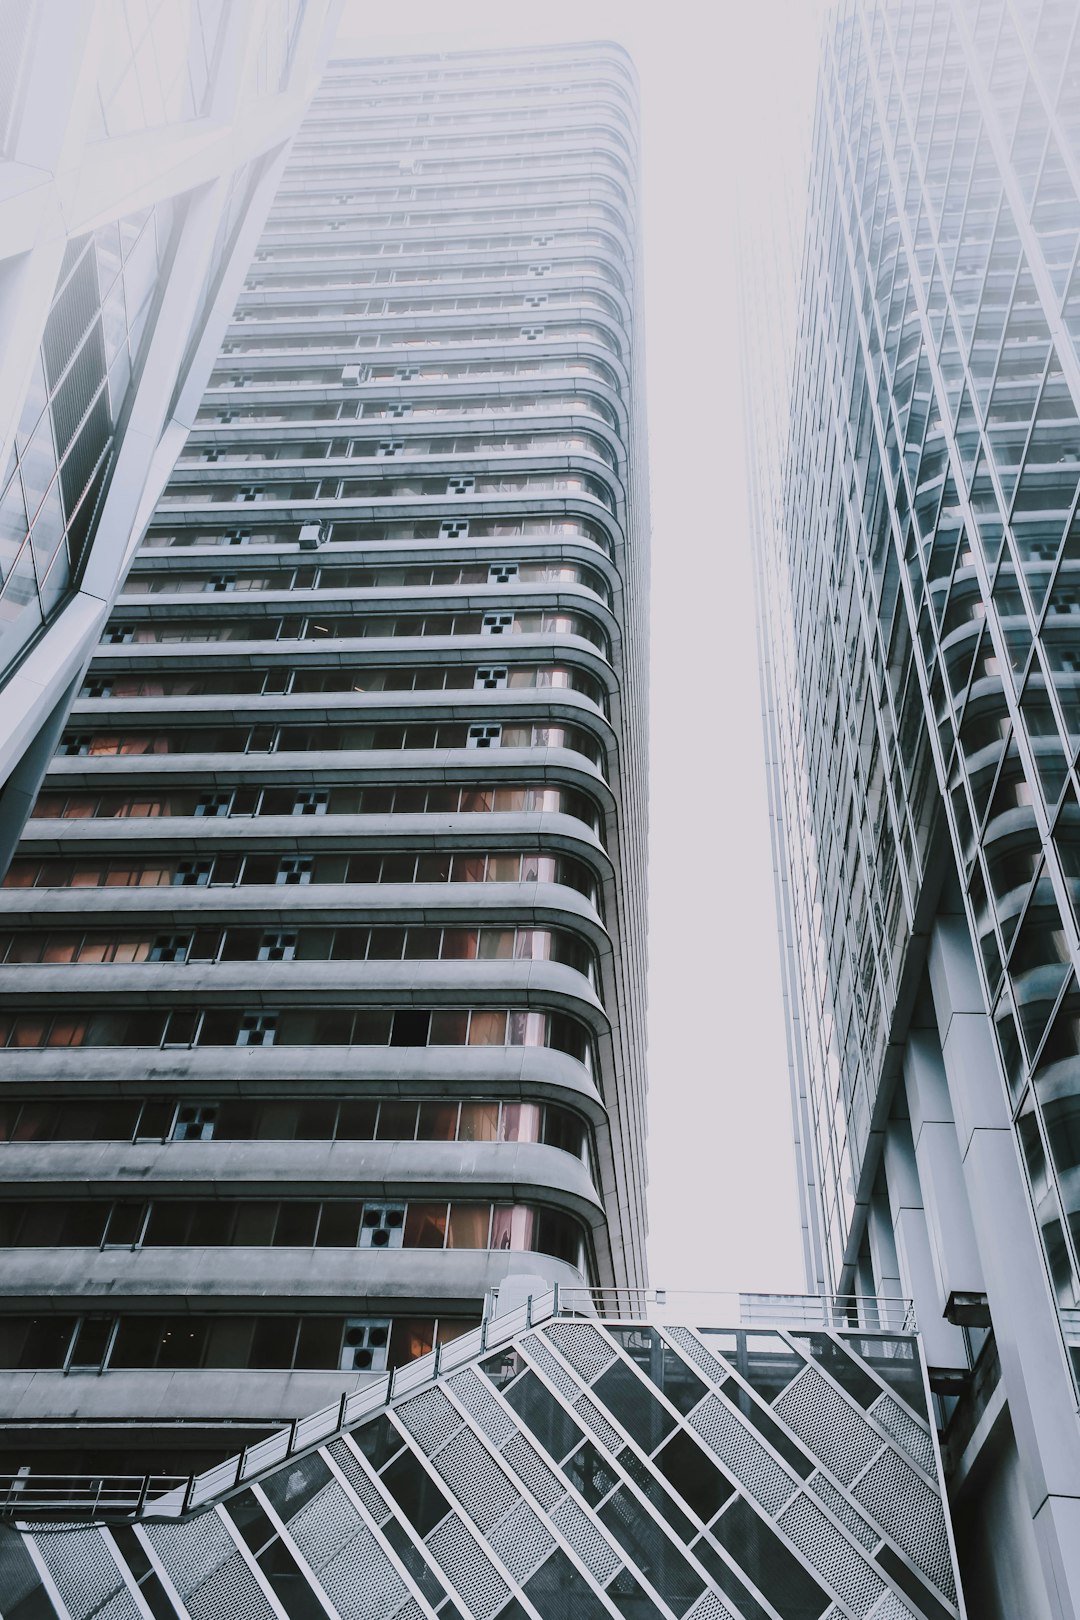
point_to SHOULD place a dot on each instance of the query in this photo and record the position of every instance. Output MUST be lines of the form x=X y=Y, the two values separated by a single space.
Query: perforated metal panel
x=692 y=1348
x=710 y=1607
x=325 y=1525
x=359 y=1483
x=579 y=1532
x=520 y=1541
x=431 y=1418
x=911 y=1514
x=591 y=1415
x=86 y=1574
x=191 y=1550
x=892 y=1608
x=475 y=1395
x=583 y=1346
x=472 y=1575
x=231 y=1590
x=122 y=1606
x=361 y=1582
x=475 y=1479
x=556 y=1374
x=532 y=1470
x=908 y=1433
x=841 y=1566
x=832 y=1430
x=744 y=1457
x=841 y=1508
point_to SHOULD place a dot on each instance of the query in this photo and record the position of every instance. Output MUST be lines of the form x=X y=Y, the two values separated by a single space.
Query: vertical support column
x=953 y=1247
x=945 y=1345
x=882 y=1241
x=1035 y=1374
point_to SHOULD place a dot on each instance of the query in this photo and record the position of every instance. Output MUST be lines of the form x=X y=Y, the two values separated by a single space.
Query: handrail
x=715 y=1308
x=129 y=1496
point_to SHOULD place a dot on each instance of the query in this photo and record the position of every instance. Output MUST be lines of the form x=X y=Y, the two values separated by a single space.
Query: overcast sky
x=726 y=92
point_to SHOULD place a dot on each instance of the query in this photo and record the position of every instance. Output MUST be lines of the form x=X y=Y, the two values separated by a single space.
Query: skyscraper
x=140 y=149
x=323 y=975
x=918 y=552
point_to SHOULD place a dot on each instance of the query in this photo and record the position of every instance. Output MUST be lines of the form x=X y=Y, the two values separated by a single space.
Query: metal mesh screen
x=191 y=1549
x=532 y=1470
x=86 y=1574
x=909 y=1435
x=743 y=1456
x=695 y=1351
x=476 y=1397
x=361 y=1582
x=341 y=1453
x=832 y=1430
x=473 y=1575
x=911 y=1514
x=583 y=1346
x=841 y=1509
x=233 y=1590
x=475 y=1479
x=579 y=1532
x=431 y=1418
x=709 y=1607
x=521 y=1541
x=591 y=1415
x=840 y=1566
x=539 y=1354
x=120 y=1607
x=891 y=1608
x=324 y=1525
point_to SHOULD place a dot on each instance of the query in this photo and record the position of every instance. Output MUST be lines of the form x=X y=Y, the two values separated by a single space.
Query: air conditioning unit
x=350 y=374
x=313 y=535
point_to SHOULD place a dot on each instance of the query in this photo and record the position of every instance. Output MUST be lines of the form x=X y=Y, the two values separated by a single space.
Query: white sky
x=726 y=91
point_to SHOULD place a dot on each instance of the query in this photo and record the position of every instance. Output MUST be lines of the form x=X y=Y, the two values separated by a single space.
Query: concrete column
x=1035 y=1374
x=882 y=1241
x=945 y=1345
x=953 y=1248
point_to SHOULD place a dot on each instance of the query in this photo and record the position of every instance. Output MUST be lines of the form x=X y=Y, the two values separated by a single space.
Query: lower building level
x=550 y=1463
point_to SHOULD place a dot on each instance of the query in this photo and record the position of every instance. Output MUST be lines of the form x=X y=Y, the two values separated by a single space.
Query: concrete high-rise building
x=140 y=146
x=323 y=954
x=919 y=568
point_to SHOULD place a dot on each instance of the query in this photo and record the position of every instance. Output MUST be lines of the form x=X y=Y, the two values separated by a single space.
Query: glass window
x=469 y=1226
x=425 y=1226
x=479 y=1122
x=437 y=1122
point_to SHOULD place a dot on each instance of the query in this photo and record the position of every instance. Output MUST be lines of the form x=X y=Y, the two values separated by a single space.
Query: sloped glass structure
x=548 y=1465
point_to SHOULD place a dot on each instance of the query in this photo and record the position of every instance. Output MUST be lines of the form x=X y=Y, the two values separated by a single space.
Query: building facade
x=917 y=551
x=544 y=1466
x=323 y=954
x=139 y=150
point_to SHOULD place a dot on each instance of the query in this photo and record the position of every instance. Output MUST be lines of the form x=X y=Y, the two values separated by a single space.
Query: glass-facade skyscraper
x=323 y=953
x=139 y=150
x=918 y=555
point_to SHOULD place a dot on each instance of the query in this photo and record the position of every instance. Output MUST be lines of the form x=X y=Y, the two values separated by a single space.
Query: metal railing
x=106 y=1496
x=705 y=1308
x=167 y=1496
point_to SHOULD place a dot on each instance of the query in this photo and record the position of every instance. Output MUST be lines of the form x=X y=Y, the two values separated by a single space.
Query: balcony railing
x=158 y=1496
